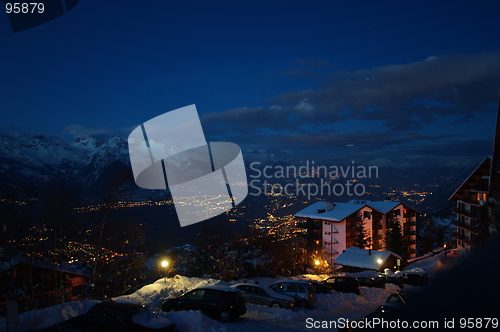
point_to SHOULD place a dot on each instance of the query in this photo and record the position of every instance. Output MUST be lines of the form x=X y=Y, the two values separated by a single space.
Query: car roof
x=303 y=282
x=248 y=284
x=316 y=282
x=219 y=287
x=270 y=291
x=339 y=276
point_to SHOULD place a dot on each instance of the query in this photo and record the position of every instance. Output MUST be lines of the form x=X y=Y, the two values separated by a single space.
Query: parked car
x=392 y=305
x=320 y=288
x=396 y=298
x=389 y=280
x=342 y=283
x=390 y=308
x=370 y=282
x=302 y=291
x=221 y=302
x=262 y=295
x=413 y=278
x=135 y=316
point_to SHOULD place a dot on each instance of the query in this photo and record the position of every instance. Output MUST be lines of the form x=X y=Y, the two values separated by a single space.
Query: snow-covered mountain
x=38 y=159
x=91 y=163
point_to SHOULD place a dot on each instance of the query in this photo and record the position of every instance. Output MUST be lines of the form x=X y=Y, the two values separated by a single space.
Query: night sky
x=360 y=79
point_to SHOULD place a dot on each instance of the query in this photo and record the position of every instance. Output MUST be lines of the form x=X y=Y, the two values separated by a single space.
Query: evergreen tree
x=362 y=238
x=394 y=238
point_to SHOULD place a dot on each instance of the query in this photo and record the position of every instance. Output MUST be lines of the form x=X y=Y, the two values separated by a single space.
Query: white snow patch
x=37 y=319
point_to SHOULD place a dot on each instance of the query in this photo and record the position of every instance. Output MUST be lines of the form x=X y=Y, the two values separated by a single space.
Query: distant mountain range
x=90 y=163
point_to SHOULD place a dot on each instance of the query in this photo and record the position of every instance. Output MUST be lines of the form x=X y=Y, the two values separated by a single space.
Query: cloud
x=401 y=95
x=464 y=83
x=438 y=107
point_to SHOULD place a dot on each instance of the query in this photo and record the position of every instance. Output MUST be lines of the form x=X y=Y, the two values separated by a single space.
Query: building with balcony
x=476 y=209
x=330 y=227
x=478 y=201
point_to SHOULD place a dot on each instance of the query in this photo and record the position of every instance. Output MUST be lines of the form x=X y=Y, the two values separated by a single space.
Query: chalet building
x=478 y=201
x=330 y=228
x=473 y=224
x=50 y=285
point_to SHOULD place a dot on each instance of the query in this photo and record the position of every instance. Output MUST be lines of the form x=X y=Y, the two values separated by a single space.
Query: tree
x=362 y=238
x=394 y=238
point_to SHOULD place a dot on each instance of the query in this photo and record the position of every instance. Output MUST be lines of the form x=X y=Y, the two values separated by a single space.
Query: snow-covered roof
x=341 y=211
x=382 y=206
x=364 y=259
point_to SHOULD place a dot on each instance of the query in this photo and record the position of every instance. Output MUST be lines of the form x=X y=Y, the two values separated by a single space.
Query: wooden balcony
x=463 y=238
x=465 y=213
x=463 y=225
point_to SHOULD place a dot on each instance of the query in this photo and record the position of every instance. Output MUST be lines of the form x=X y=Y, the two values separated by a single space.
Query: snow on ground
x=153 y=295
x=37 y=319
x=328 y=306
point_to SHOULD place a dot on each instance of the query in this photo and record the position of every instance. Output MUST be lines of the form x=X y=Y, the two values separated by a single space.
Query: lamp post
x=317 y=262
x=164 y=264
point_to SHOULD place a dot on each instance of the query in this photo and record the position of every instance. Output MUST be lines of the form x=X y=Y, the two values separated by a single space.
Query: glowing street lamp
x=317 y=262
x=164 y=264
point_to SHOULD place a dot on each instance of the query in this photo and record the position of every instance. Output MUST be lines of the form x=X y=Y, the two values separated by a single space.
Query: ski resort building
x=330 y=227
x=478 y=201
x=472 y=222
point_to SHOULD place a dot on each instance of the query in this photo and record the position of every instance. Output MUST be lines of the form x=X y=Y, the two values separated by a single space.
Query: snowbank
x=36 y=319
x=153 y=295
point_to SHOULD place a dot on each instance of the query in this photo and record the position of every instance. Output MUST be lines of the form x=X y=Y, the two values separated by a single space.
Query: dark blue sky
x=375 y=79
